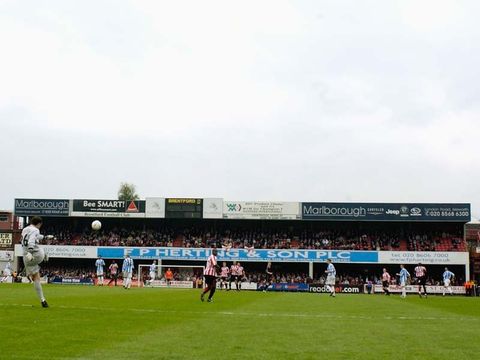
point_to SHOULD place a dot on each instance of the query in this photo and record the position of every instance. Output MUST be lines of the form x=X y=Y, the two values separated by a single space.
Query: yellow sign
x=6 y=239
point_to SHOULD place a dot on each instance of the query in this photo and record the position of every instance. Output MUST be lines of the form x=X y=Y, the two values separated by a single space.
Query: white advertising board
x=261 y=210
x=424 y=257
x=64 y=251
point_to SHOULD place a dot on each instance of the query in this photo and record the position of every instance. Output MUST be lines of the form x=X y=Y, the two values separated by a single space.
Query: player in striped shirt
x=240 y=276
x=127 y=269
x=421 y=275
x=99 y=264
x=210 y=275
x=224 y=273
x=152 y=270
x=447 y=279
x=404 y=275
x=386 y=281
x=331 y=277
x=113 y=272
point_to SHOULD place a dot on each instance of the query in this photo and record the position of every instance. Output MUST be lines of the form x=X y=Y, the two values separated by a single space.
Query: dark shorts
x=209 y=279
x=224 y=278
x=422 y=280
x=385 y=284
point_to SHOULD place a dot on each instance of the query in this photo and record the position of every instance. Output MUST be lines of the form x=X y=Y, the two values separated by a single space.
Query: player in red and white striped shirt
x=421 y=275
x=210 y=275
x=240 y=276
x=224 y=272
x=386 y=281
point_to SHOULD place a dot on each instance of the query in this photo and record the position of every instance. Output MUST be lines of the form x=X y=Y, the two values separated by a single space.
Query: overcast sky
x=247 y=100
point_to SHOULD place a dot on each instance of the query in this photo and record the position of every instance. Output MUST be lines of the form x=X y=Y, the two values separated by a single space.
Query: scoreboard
x=182 y=208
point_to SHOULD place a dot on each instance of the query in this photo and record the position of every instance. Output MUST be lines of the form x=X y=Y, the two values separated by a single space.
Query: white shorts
x=403 y=283
x=152 y=275
x=446 y=282
x=31 y=267
x=127 y=275
x=99 y=273
x=330 y=280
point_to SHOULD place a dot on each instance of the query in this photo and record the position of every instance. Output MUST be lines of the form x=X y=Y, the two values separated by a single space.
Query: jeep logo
x=392 y=212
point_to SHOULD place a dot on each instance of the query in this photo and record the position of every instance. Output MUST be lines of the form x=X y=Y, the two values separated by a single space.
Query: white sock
x=404 y=292
x=38 y=289
x=443 y=291
x=451 y=291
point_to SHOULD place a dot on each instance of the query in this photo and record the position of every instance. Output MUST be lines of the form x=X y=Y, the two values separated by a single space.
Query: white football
x=96 y=225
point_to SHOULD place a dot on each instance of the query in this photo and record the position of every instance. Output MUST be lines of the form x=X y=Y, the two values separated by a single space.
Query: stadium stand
x=260 y=239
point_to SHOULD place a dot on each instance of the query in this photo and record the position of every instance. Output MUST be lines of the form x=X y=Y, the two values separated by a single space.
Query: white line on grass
x=252 y=314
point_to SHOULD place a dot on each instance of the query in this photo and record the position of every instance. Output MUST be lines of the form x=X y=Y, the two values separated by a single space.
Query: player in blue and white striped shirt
x=99 y=264
x=404 y=275
x=447 y=278
x=153 y=271
x=127 y=269
x=331 y=277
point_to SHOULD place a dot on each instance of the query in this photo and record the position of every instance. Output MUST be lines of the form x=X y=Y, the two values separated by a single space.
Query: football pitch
x=113 y=323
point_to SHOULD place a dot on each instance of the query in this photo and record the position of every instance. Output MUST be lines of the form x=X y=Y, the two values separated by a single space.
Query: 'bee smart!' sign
x=108 y=208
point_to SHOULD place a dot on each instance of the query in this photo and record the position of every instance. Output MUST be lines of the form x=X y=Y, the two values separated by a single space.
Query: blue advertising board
x=167 y=253
x=41 y=207
x=385 y=212
x=71 y=281
x=288 y=287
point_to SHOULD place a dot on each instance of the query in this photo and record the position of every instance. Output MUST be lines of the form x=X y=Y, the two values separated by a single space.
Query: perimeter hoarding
x=424 y=257
x=167 y=253
x=108 y=208
x=259 y=210
x=275 y=255
x=64 y=251
x=41 y=207
x=431 y=289
x=385 y=212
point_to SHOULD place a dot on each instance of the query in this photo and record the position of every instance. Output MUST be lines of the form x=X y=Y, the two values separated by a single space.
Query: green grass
x=112 y=323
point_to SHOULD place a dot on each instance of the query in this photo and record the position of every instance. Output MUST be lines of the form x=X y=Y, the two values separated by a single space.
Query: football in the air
x=96 y=225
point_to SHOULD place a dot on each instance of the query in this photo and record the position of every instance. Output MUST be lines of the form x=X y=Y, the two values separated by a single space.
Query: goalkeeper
x=33 y=254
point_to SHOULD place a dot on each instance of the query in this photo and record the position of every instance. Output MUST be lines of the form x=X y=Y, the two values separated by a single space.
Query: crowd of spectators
x=68 y=271
x=231 y=238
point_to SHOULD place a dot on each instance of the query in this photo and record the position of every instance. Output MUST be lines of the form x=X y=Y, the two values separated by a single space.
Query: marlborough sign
x=41 y=207
x=386 y=212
